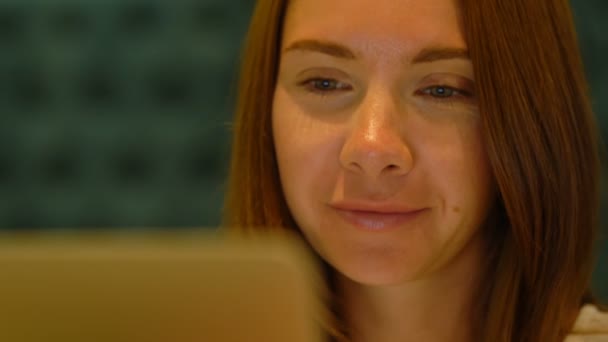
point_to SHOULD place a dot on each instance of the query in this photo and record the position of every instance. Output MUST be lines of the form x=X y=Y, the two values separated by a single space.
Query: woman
x=439 y=156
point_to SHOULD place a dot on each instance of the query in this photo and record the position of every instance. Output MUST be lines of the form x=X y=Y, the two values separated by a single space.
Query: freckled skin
x=380 y=140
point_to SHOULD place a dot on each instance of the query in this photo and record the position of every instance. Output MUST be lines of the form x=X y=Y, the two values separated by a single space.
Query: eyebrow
x=328 y=48
x=442 y=53
x=427 y=55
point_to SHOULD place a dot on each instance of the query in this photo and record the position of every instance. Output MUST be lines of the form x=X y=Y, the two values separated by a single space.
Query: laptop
x=153 y=287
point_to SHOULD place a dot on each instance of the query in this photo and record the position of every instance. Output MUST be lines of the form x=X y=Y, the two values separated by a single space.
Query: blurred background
x=116 y=113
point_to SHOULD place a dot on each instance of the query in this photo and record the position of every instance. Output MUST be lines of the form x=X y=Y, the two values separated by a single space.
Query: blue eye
x=441 y=91
x=324 y=85
x=445 y=93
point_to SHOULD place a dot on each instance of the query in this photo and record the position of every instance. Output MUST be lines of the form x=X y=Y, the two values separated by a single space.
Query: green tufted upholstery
x=590 y=18
x=116 y=113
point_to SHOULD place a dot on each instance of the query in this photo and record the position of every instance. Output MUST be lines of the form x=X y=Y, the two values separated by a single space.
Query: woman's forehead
x=376 y=26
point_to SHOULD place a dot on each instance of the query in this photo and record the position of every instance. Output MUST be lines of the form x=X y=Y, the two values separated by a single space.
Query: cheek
x=307 y=154
x=476 y=165
x=465 y=178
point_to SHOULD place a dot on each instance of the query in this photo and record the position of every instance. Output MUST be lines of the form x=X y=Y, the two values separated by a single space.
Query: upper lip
x=374 y=207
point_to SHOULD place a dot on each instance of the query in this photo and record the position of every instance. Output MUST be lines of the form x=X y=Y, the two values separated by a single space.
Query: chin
x=377 y=279
x=378 y=272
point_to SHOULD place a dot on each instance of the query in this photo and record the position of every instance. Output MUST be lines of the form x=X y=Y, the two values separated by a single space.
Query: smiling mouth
x=378 y=221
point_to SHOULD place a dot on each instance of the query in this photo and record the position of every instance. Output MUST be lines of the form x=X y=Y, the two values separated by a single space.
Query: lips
x=377 y=216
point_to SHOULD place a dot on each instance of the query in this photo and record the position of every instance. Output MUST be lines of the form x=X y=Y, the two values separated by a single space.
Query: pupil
x=441 y=91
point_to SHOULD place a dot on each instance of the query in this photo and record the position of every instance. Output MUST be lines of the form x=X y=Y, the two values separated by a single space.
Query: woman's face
x=377 y=136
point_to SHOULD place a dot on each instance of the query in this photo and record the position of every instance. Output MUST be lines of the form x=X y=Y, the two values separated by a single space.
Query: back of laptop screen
x=207 y=290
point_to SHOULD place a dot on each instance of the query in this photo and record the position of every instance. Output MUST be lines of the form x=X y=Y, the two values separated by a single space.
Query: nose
x=375 y=145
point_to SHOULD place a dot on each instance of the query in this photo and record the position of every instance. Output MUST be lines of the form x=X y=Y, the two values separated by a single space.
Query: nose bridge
x=375 y=114
x=375 y=145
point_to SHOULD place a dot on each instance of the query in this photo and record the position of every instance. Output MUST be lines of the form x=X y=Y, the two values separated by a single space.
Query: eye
x=440 y=91
x=324 y=85
x=444 y=93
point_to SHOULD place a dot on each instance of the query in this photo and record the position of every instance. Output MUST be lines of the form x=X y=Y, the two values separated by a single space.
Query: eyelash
x=311 y=84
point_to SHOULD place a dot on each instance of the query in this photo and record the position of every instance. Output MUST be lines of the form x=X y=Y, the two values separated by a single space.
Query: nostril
x=396 y=168
x=355 y=167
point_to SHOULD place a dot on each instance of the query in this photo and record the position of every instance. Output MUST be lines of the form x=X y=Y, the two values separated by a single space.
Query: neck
x=434 y=309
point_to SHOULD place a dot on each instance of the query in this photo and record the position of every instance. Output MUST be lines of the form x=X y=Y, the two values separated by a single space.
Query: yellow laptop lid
x=160 y=287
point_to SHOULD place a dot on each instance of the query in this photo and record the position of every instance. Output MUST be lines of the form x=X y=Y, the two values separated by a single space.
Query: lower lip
x=372 y=221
